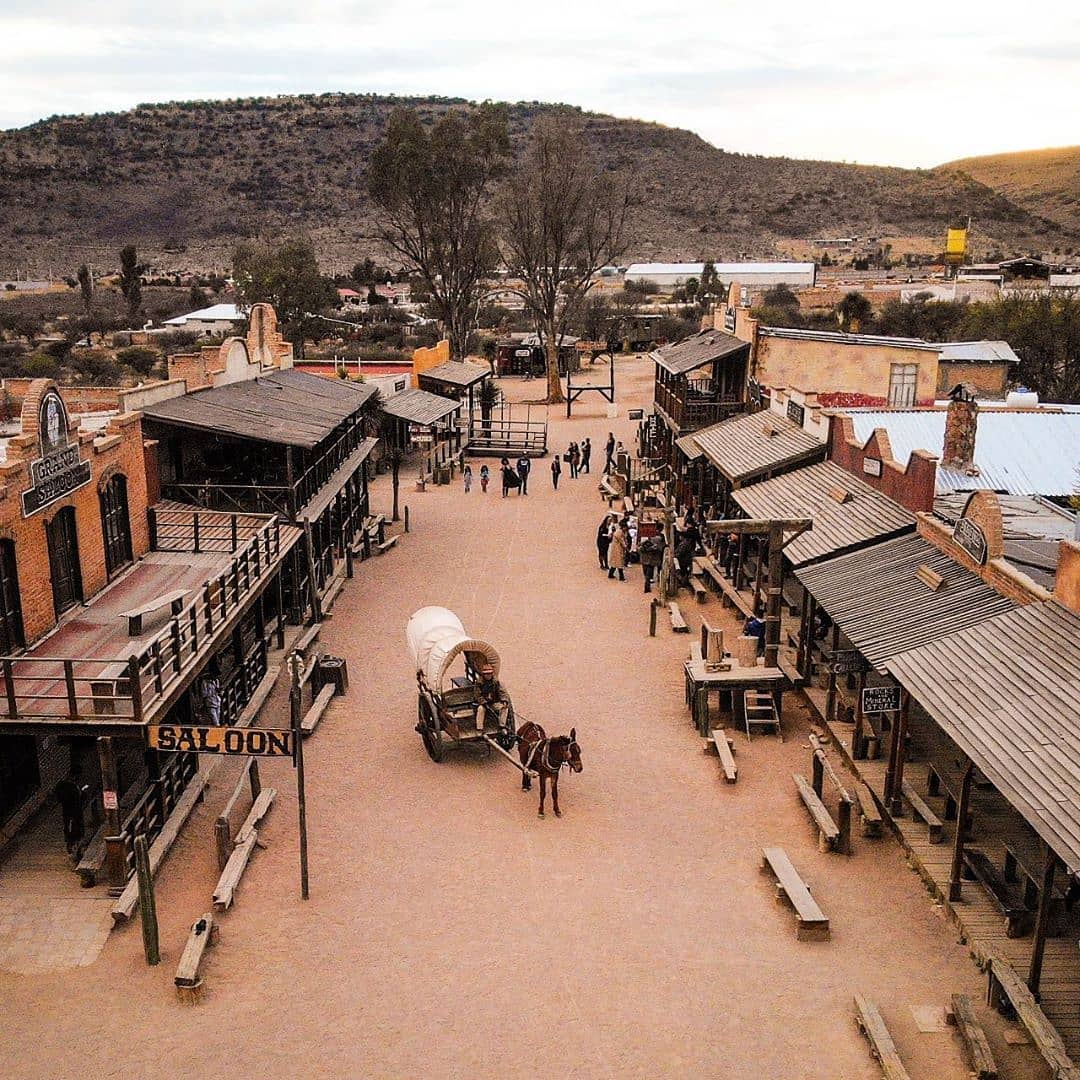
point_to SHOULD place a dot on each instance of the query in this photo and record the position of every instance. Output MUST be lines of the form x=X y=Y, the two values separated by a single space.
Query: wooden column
x=115 y=861
x=956 y=872
x=740 y=561
x=804 y=630
x=290 y=480
x=1042 y=920
x=894 y=777
x=830 y=698
x=755 y=606
x=775 y=594
x=858 y=741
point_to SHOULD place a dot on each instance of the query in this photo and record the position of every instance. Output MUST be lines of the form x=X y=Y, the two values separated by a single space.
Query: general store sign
x=971 y=538
x=260 y=742
x=847 y=662
x=60 y=470
x=880 y=699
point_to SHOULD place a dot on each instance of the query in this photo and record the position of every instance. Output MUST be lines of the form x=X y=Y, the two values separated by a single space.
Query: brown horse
x=546 y=757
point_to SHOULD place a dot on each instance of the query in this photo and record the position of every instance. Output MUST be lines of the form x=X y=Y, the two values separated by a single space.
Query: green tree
x=131 y=279
x=855 y=312
x=781 y=296
x=287 y=276
x=86 y=287
x=198 y=299
x=563 y=217
x=432 y=187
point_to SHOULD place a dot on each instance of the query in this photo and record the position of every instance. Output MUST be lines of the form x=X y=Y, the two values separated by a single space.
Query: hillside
x=186 y=181
x=1044 y=182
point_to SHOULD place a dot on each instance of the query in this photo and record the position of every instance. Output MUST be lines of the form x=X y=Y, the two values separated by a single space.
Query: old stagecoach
x=460 y=700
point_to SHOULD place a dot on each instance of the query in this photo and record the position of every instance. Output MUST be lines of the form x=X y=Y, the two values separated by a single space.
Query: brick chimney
x=961 y=422
x=1067 y=583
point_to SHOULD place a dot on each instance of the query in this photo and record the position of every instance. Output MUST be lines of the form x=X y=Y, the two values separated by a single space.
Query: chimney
x=1067 y=582
x=961 y=422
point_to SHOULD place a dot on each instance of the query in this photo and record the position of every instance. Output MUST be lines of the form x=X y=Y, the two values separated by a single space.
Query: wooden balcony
x=695 y=404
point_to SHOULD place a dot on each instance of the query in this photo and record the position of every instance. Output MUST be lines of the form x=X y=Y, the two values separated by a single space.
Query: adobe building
x=868 y=370
x=109 y=614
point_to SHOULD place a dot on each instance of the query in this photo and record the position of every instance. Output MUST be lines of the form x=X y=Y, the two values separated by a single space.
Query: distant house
x=349 y=298
x=749 y=273
x=216 y=319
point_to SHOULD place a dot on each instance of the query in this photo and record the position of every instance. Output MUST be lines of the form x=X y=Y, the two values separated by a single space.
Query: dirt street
x=450 y=932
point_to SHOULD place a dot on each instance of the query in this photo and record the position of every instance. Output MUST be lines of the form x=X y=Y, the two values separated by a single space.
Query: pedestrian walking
x=485 y=477
x=651 y=550
x=575 y=460
x=556 y=472
x=586 y=453
x=684 y=557
x=510 y=479
x=619 y=552
x=467 y=477
x=609 y=451
x=603 y=540
x=523 y=467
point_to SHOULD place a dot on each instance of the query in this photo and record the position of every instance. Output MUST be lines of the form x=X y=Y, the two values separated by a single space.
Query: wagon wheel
x=430 y=731
x=507 y=734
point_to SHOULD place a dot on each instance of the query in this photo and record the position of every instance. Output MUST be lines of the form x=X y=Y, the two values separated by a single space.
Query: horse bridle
x=547 y=755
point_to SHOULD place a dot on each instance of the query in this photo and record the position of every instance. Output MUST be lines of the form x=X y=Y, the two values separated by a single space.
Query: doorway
x=64 y=561
x=11 y=625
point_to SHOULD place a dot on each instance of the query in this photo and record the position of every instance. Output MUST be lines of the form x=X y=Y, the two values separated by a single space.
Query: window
x=11 y=625
x=902 y=380
x=115 y=526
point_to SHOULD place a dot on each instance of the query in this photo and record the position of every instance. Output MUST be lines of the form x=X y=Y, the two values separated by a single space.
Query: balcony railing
x=127 y=690
x=696 y=404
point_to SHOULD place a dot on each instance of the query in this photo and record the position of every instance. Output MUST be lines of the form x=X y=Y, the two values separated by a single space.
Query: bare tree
x=432 y=186
x=563 y=217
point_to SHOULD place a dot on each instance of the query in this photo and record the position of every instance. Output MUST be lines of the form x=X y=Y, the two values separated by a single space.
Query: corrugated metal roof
x=722 y=268
x=289 y=408
x=845 y=339
x=875 y=598
x=1030 y=452
x=214 y=313
x=979 y=352
x=689 y=447
x=457 y=373
x=1007 y=692
x=747 y=446
x=419 y=407
x=866 y=517
x=698 y=350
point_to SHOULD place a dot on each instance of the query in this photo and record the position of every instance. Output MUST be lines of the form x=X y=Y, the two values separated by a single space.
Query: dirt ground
x=452 y=933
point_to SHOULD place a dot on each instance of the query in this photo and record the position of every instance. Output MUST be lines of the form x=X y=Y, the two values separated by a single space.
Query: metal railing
x=508 y=436
x=90 y=689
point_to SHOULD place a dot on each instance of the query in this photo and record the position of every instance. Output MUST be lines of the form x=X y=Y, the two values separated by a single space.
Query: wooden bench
x=1023 y=866
x=174 y=599
x=247 y=839
x=828 y=830
x=312 y=717
x=386 y=545
x=973 y=1037
x=869 y=813
x=188 y=981
x=1005 y=987
x=609 y=493
x=729 y=597
x=979 y=867
x=678 y=623
x=812 y=925
x=881 y=1044
x=921 y=810
x=698 y=587
x=724 y=746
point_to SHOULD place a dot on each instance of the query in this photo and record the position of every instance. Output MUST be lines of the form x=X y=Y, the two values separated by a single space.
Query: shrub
x=141 y=358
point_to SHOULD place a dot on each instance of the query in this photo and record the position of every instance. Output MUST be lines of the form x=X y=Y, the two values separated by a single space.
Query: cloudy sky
x=912 y=83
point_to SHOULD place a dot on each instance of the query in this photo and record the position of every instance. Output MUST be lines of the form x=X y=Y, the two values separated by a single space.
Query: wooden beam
x=1042 y=920
x=758 y=525
x=955 y=874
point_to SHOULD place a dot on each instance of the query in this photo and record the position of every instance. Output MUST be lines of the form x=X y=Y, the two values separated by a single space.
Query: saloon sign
x=60 y=470
x=971 y=538
x=261 y=742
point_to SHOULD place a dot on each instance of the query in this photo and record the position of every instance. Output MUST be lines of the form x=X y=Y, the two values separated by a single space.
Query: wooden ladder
x=759 y=709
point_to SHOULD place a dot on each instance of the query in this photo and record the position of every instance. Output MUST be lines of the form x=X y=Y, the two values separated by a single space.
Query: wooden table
x=699 y=682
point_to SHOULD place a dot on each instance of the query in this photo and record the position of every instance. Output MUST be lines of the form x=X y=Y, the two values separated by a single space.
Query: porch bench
x=868 y=810
x=828 y=830
x=698 y=587
x=134 y=616
x=1018 y=919
x=921 y=810
x=678 y=623
x=812 y=924
x=725 y=748
x=881 y=1043
x=187 y=980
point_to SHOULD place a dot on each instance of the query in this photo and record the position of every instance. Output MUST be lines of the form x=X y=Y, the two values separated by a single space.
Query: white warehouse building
x=747 y=273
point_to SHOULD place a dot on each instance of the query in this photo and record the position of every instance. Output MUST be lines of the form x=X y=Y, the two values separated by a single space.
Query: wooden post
x=151 y=522
x=755 y=604
x=956 y=872
x=9 y=683
x=652 y=617
x=406 y=517
x=290 y=482
x=69 y=682
x=295 y=709
x=804 y=630
x=1042 y=920
x=776 y=585
x=739 y=562
x=147 y=906
x=818 y=766
x=115 y=861
x=830 y=698
x=843 y=823
x=280 y=610
x=316 y=603
x=195 y=533
x=858 y=742
x=894 y=776
x=222 y=842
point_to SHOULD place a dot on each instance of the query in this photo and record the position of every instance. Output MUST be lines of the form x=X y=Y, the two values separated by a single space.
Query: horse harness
x=546 y=756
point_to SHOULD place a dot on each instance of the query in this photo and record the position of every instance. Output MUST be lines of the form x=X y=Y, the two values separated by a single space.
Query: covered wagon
x=460 y=700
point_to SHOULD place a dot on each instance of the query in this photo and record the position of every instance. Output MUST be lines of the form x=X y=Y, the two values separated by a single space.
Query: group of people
x=514 y=477
x=621 y=540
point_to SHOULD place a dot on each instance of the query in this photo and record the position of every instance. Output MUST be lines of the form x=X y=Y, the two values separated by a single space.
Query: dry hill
x=1044 y=182
x=185 y=181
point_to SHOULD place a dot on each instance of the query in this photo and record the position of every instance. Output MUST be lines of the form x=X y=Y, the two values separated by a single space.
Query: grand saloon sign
x=60 y=470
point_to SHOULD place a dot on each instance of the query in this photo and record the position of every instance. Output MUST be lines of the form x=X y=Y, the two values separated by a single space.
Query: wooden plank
x=259 y=809
x=881 y=1044
x=305 y=640
x=933 y=822
x=868 y=810
x=695 y=652
x=811 y=921
x=386 y=545
x=1018 y=918
x=973 y=1038
x=225 y=892
x=725 y=748
x=318 y=707
x=700 y=592
x=188 y=982
x=828 y=830
x=678 y=623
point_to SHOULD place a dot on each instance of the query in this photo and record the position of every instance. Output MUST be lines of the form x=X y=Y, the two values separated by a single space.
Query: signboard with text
x=60 y=470
x=871 y=466
x=846 y=662
x=259 y=742
x=796 y=412
x=880 y=699
x=971 y=538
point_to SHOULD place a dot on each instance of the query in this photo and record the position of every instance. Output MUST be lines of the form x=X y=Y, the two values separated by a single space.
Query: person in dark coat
x=523 y=467
x=755 y=627
x=510 y=478
x=603 y=540
x=609 y=451
x=651 y=553
x=586 y=453
x=575 y=460
x=556 y=471
x=684 y=556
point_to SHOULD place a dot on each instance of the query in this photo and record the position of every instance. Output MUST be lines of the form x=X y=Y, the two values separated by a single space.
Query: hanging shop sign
x=796 y=412
x=729 y=320
x=880 y=699
x=971 y=538
x=260 y=742
x=60 y=470
x=871 y=466
x=847 y=662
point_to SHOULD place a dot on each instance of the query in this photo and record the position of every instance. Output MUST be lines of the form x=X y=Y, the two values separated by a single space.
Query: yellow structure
x=426 y=359
x=956 y=246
